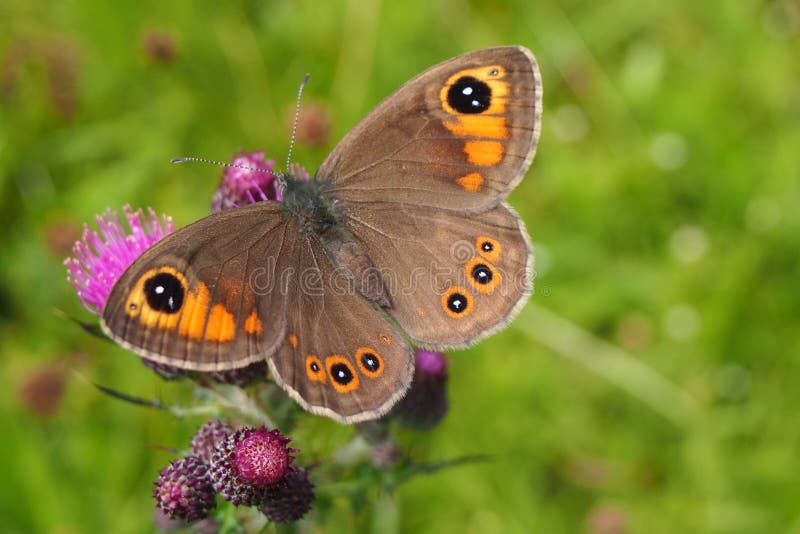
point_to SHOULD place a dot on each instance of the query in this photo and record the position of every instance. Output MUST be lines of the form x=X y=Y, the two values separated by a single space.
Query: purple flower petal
x=252 y=180
x=101 y=258
x=430 y=362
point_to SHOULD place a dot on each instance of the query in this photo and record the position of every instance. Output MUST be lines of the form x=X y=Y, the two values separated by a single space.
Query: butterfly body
x=304 y=201
x=320 y=220
x=402 y=235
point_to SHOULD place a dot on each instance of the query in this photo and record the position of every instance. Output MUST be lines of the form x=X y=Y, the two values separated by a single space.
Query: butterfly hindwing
x=341 y=357
x=455 y=278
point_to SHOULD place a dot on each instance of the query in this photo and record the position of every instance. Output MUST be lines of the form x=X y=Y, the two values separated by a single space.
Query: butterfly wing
x=454 y=278
x=421 y=181
x=207 y=297
x=341 y=357
x=246 y=285
x=460 y=135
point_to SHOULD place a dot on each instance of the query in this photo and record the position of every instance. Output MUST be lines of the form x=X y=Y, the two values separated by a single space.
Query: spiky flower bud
x=425 y=404
x=290 y=499
x=183 y=489
x=208 y=437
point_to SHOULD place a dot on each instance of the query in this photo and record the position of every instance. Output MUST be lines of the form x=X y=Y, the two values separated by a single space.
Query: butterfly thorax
x=304 y=201
x=320 y=219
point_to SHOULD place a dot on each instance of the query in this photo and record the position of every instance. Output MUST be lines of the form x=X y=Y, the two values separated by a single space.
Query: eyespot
x=488 y=248
x=478 y=98
x=385 y=339
x=343 y=374
x=482 y=275
x=369 y=362
x=164 y=292
x=457 y=302
x=157 y=296
x=469 y=95
x=314 y=369
x=161 y=300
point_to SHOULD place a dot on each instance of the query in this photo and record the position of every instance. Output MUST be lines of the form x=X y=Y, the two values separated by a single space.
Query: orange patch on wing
x=385 y=339
x=471 y=182
x=253 y=325
x=194 y=313
x=314 y=369
x=151 y=318
x=229 y=292
x=484 y=153
x=293 y=341
x=478 y=126
x=221 y=325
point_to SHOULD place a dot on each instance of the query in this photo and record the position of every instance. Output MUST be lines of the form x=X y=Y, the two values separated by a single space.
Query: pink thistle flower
x=262 y=458
x=247 y=462
x=241 y=186
x=101 y=258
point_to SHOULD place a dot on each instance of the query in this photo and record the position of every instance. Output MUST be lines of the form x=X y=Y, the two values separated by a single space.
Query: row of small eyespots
x=457 y=301
x=344 y=377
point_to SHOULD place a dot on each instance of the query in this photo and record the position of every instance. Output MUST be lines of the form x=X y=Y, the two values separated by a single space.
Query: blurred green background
x=651 y=384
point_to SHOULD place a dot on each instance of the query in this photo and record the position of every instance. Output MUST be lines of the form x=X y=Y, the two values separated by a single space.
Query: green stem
x=240 y=401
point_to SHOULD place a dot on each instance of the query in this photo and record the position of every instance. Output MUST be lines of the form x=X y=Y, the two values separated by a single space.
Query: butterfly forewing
x=460 y=135
x=207 y=297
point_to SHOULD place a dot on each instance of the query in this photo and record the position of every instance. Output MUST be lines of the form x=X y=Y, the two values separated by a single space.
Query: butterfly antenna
x=296 y=119
x=220 y=163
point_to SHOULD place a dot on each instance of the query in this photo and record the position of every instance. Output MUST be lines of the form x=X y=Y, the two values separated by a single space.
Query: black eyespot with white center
x=487 y=246
x=469 y=95
x=482 y=274
x=341 y=373
x=370 y=361
x=314 y=366
x=457 y=303
x=164 y=293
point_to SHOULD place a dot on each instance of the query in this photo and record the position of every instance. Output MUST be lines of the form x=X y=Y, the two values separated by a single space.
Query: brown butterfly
x=403 y=234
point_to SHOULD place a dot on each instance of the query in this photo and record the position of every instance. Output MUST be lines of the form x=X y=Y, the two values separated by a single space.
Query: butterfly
x=402 y=237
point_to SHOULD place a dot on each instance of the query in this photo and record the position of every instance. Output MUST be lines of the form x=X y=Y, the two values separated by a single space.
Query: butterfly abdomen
x=354 y=263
